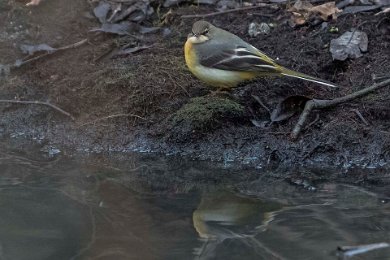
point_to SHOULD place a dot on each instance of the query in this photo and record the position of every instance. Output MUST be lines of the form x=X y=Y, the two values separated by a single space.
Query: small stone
x=50 y=150
x=227 y=4
x=4 y=70
x=324 y=26
x=166 y=32
x=255 y=29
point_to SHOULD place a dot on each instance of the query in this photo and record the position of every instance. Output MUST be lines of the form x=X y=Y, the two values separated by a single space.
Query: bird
x=223 y=60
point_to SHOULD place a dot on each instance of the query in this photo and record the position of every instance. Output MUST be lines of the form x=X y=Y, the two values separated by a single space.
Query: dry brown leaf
x=326 y=10
x=302 y=11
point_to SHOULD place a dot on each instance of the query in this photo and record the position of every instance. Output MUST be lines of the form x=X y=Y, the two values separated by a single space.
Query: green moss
x=204 y=113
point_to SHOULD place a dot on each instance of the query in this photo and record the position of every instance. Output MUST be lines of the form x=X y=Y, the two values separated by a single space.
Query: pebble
x=255 y=29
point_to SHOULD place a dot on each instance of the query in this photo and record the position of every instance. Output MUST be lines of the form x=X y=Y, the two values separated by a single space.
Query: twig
x=262 y=104
x=70 y=46
x=377 y=78
x=110 y=117
x=384 y=11
x=314 y=121
x=326 y=103
x=349 y=251
x=357 y=112
x=36 y=102
x=224 y=12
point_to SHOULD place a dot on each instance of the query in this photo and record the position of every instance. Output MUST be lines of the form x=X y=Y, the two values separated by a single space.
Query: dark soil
x=136 y=102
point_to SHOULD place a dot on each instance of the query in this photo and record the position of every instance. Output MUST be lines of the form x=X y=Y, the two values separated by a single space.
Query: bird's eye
x=206 y=31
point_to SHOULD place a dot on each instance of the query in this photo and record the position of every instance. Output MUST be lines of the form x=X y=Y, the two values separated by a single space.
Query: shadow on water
x=149 y=207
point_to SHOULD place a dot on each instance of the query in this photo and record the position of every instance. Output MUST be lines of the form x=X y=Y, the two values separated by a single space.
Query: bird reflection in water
x=223 y=216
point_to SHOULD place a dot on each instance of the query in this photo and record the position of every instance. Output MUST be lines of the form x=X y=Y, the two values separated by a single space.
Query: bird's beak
x=192 y=35
x=197 y=38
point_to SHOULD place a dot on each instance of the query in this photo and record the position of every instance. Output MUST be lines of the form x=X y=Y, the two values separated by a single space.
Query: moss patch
x=207 y=113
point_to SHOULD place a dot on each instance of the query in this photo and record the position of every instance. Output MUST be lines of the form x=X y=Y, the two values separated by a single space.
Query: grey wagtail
x=223 y=60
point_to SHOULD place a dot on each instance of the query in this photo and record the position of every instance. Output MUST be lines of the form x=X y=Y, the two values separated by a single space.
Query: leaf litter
x=125 y=17
x=120 y=17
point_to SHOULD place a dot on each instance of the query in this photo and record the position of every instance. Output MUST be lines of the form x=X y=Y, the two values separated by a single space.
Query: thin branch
x=377 y=78
x=36 y=102
x=314 y=121
x=262 y=104
x=357 y=112
x=224 y=12
x=70 y=46
x=326 y=103
x=110 y=117
x=302 y=119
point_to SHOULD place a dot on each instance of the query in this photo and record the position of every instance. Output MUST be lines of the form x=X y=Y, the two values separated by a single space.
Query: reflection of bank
x=227 y=223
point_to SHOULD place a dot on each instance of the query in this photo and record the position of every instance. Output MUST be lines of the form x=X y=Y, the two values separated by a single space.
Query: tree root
x=326 y=103
x=110 y=117
x=70 y=46
x=36 y=102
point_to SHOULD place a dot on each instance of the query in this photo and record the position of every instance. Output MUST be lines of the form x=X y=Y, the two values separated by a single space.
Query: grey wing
x=240 y=59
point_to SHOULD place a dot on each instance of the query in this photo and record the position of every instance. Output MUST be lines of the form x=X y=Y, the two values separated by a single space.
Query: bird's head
x=202 y=31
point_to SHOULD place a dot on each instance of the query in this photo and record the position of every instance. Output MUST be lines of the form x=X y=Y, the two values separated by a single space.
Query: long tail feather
x=294 y=74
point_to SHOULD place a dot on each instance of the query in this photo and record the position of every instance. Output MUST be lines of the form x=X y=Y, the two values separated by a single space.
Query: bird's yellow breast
x=214 y=77
x=189 y=55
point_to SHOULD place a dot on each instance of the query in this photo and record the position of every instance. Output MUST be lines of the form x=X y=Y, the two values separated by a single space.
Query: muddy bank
x=142 y=101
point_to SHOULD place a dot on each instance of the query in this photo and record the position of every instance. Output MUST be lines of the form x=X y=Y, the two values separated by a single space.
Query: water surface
x=149 y=207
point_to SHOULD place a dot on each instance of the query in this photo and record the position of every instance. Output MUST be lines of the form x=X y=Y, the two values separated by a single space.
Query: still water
x=53 y=206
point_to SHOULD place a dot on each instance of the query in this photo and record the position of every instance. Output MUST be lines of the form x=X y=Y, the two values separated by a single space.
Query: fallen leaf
x=302 y=11
x=31 y=49
x=326 y=10
x=382 y=2
x=349 y=45
x=358 y=9
x=137 y=12
x=288 y=107
x=101 y=11
x=115 y=11
x=123 y=28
